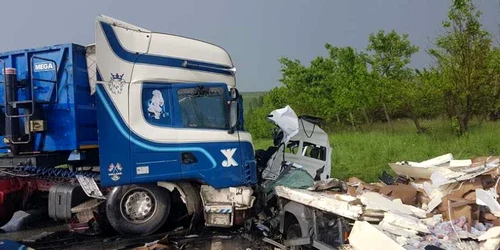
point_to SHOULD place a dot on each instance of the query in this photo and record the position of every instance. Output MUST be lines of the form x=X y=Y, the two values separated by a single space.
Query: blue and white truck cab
x=168 y=111
x=157 y=113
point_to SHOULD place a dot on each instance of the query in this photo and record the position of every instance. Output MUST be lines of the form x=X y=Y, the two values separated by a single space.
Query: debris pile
x=440 y=203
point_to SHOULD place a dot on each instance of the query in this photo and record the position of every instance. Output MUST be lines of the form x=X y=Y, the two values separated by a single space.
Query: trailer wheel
x=138 y=209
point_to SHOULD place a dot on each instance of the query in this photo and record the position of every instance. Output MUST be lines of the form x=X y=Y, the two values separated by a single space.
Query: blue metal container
x=59 y=79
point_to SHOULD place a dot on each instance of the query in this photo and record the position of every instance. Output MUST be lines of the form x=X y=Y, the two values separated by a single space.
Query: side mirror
x=233 y=116
x=235 y=94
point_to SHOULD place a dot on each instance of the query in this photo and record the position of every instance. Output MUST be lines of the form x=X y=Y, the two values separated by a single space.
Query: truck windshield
x=203 y=107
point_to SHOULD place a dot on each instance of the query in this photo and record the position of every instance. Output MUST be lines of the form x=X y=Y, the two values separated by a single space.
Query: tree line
x=354 y=87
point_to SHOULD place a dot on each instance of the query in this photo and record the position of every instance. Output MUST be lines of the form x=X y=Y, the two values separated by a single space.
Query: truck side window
x=155 y=106
x=314 y=151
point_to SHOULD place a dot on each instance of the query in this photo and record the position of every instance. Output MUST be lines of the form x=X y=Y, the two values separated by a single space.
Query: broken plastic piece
x=491 y=244
x=386 y=178
x=437 y=160
x=376 y=240
x=287 y=120
x=487 y=198
x=493 y=232
x=460 y=163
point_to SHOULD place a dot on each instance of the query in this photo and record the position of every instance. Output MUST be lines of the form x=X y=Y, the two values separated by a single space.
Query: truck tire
x=138 y=209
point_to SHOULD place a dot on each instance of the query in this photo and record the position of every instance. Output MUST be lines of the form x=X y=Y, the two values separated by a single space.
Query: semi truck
x=123 y=129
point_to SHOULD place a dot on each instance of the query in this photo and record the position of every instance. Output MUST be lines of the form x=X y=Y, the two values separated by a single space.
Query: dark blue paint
x=134 y=57
x=164 y=159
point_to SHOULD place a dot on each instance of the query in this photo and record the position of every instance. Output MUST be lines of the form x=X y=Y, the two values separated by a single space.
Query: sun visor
x=287 y=120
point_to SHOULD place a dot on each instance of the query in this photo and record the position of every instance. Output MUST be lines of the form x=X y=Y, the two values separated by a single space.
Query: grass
x=366 y=152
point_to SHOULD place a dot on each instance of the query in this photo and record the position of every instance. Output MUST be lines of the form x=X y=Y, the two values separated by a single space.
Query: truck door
x=153 y=143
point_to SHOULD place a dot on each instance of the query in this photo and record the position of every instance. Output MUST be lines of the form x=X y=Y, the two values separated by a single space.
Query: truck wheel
x=138 y=209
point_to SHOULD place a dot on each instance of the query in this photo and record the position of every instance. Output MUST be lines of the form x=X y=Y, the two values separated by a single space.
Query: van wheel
x=138 y=209
x=293 y=231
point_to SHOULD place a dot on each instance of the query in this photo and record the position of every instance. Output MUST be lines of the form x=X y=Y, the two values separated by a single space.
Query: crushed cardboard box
x=444 y=202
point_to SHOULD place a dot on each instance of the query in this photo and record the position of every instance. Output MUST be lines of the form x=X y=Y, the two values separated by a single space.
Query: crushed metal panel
x=287 y=120
x=365 y=236
x=292 y=178
x=322 y=201
x=239 y=196
x=310 y=134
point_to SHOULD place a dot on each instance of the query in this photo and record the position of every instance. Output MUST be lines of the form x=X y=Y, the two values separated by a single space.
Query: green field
x=367 y=152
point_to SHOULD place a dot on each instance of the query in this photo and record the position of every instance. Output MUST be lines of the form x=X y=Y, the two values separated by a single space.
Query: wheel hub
x=139 y=206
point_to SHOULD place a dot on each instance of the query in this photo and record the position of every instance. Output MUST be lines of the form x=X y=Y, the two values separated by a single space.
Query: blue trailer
x=127 y=126
x=53 y=87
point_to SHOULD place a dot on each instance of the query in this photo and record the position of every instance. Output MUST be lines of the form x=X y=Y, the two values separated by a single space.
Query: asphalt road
x=57 y=236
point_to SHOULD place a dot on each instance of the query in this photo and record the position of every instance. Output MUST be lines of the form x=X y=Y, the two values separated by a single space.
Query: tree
x=257 y=122
x=463 y=55
x=421 y=97
x=310 y=89
x=390 y=55
x=351 y=80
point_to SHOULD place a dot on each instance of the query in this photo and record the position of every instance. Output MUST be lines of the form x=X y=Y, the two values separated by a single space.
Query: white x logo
x=229 y=161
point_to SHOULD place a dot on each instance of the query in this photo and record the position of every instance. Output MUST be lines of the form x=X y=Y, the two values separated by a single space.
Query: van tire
x=293 y=231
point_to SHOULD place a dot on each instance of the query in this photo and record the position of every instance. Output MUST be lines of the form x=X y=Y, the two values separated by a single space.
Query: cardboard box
x=459 y=211
x=406 y=193
x=466 y=187
x=470 y=196
x=422 y=198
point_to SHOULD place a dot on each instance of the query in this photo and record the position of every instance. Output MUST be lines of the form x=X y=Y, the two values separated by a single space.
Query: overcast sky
x=255 y=32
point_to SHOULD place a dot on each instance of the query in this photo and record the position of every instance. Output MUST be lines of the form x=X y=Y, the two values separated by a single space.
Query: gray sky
x=256 y=33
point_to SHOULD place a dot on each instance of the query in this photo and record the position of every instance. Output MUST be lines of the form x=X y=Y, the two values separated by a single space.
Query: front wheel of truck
x=138 y=209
